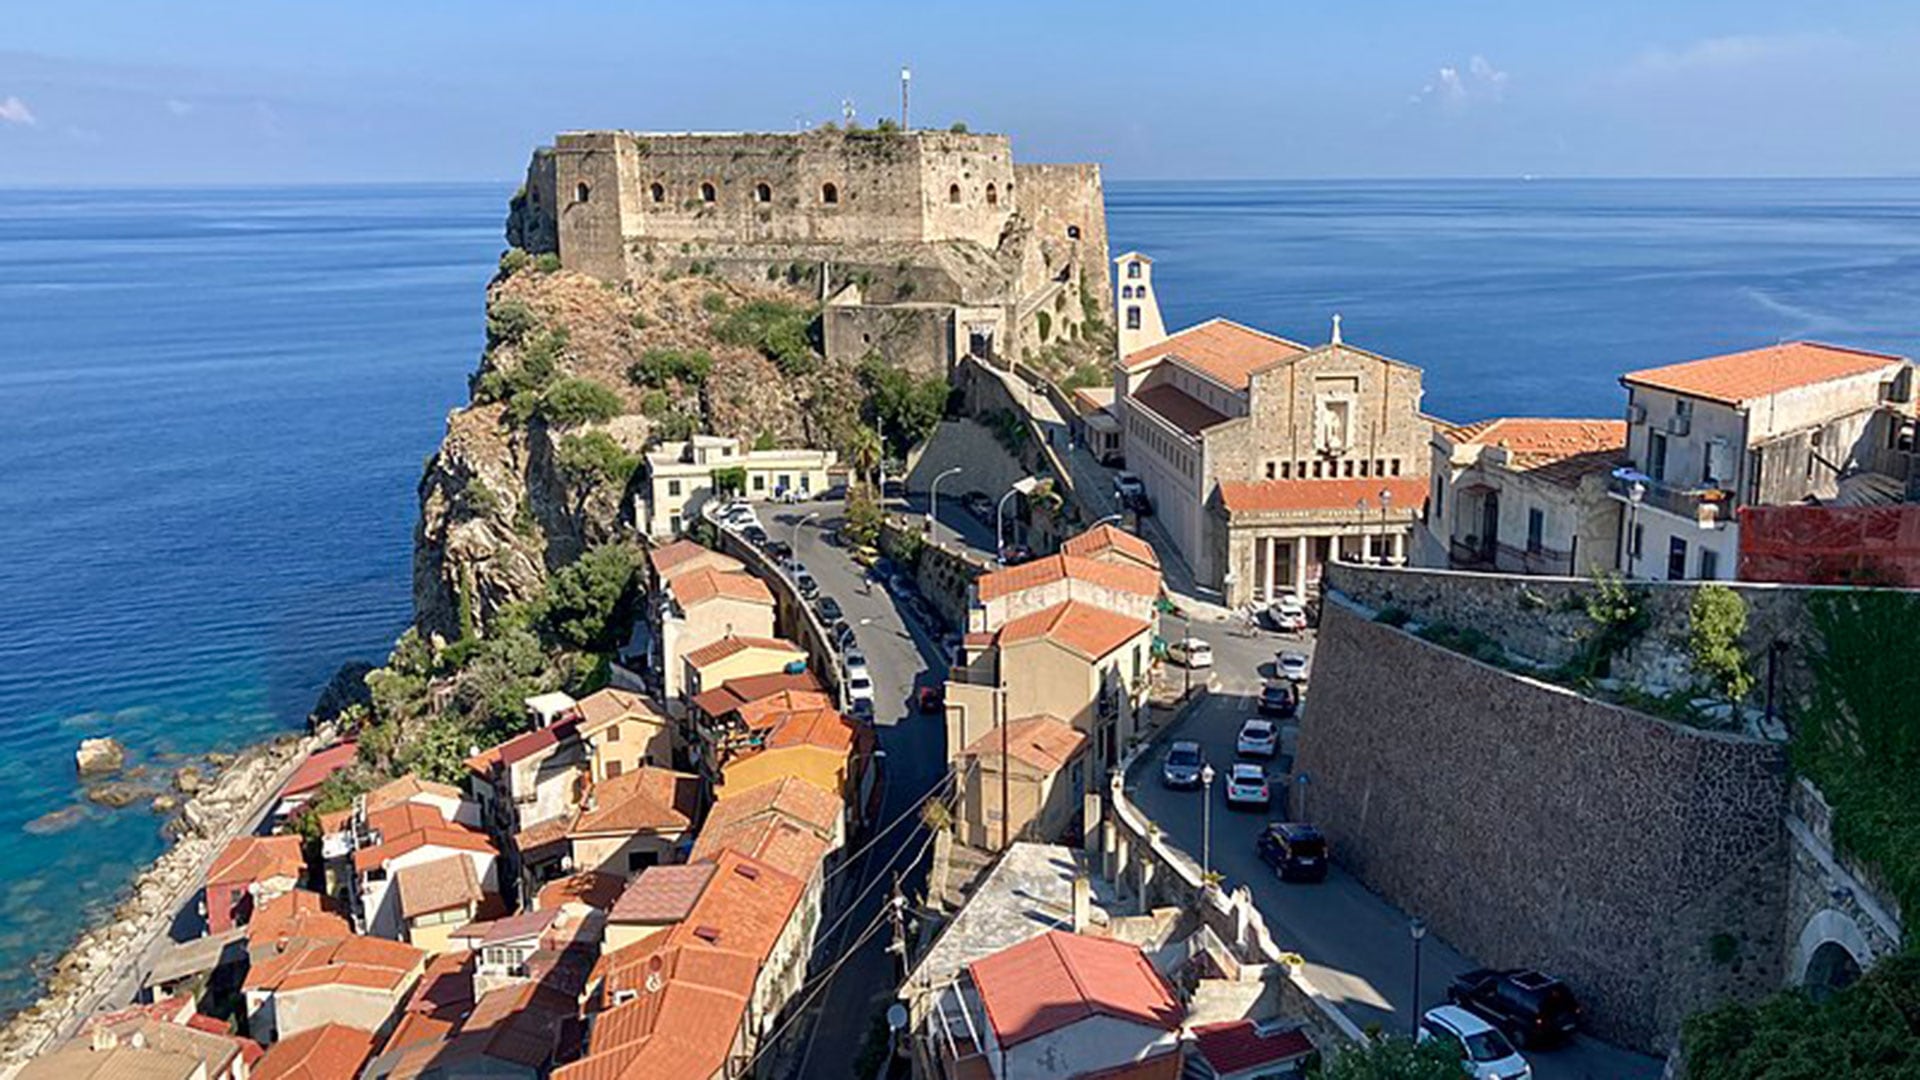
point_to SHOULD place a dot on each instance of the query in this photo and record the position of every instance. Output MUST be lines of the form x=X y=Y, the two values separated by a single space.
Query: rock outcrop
x=100 y=757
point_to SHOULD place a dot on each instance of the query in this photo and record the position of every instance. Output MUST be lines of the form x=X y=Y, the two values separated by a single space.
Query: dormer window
x=1133 y=269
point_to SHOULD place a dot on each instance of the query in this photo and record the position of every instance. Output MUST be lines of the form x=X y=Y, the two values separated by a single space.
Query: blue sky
x=267 y=91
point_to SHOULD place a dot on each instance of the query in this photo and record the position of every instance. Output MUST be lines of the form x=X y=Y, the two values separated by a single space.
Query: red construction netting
x=1831 y=545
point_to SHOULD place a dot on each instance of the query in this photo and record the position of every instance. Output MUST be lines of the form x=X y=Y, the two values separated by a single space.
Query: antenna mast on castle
x=906 y=81
x=846 y=110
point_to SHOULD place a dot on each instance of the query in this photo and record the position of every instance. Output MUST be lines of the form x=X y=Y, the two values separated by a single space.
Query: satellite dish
x=896 y=1017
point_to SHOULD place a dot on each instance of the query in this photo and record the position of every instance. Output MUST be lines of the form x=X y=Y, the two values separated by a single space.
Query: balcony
x=1710 y=508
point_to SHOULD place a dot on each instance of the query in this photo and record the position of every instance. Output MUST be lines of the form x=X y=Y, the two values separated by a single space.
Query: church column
x=1300 y=565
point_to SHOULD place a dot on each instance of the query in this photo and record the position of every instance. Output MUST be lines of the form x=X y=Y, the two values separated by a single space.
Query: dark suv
x=1296 y=850
x=1532 y=1008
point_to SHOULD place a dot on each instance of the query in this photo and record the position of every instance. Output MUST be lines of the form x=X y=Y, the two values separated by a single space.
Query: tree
x=585 y=597
x=862 y=525
x=593 y=460
x=1393 y=1058
x=573 y=401
x=865 y=452
x=904 y=409
x=730 y=481
x=1715 y=623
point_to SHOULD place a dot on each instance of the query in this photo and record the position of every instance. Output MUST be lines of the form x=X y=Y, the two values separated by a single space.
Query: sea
x=215 y=405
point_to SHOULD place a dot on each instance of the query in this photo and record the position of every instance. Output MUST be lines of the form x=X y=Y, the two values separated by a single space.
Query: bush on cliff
x=657 y=368
x=584 y=606
x=510 y=322
x=783 y=333
x=1868 y=1030
x=570 y=402
x=593 y=459
x=902 y=407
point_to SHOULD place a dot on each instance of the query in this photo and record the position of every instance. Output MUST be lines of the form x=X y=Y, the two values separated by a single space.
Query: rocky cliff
x=528 y=476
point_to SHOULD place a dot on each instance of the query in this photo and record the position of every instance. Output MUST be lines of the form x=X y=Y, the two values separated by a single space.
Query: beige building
x=1266 y=459
x=1044 y=767
x=623 y=732
x=358 y=981
x=735 y=657
x=1523 y=495
x=1135 y=304
x=633 y=821
x=682 y=476
x=699 y=607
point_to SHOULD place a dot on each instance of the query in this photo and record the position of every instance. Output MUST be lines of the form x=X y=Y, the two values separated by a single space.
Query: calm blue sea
x=214 y=406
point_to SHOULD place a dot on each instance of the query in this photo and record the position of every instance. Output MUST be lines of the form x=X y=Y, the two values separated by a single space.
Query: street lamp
x=1635 y=493
x=796 y=532
x=1386 y=501
x=1206 y=823
x=1186 y=654
x=933 y=512
x=1022 y=486
x=1417 y=929
x=1360 y=511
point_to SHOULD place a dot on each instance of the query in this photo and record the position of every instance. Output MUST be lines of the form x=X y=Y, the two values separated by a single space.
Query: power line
x=902 y=816
x=819 y=983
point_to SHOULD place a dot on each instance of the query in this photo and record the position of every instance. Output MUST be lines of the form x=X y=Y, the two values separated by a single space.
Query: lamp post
x=1416 y=929
x=1386 y=502
x=1635 y=494
x=1206 y=823
x=1186 y=655
x=1022 y=486
x=933 y=511
x=796 y=532
x=1360 y=512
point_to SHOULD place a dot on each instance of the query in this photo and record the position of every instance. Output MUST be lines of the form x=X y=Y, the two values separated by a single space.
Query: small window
x=1536 y=530
x=658 y=192
x=614 y=768
x=1363 y=468
x=1073 y=232
x=1286 y=470
x=993 y=195
x=759 y=481
x=613 y=733
x=953 y=193
x=1272 y=471
x=1133 y=269
x=582 y=192
x=1709 y=564
x=762 y=193
x=673 y=488
x=829 y=194
x=1133 y=318
x=1393 y=466
x=707 y=193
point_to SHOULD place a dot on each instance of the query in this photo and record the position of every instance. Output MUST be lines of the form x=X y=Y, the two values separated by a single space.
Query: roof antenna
x=1336 y=328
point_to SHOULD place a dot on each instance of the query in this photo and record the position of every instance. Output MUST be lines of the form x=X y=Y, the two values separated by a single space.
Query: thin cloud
x=14 y=111
x=178 y=107
x=1731 y=53
x=1455 y=89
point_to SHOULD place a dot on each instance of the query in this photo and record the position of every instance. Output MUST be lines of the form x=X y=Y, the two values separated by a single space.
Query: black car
x=755 y=535
x=1296 y=850
x=1277 y=701
x=829 y=609
x=1530 y=1007
x=779 y=550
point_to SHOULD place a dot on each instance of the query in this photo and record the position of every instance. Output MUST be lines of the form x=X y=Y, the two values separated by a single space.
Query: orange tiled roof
x=788 y=796
x=1089 y=631
x=1044 y=742
x=662 y=894
x=1743 y=376
x=367 y=962
x=319 y=765
x=672 y=557
x=824 y=728
x=440 y=885
x=767 y=711
x=296 y=915
x=406 y=788
x=395 y=844
x=606 y=705
x=440 y=1000
x=247 y=859
x=1108 y=538
x=777 y=841
x=734 y=644
x=1268 y=496
x=1558 y=450
x=648 y=799
x=735 y=693
x=1222 y=349
x=523 y=746
x=327 y=1052
x=1179 y=408
x=1046 y=571
x=705 y=583
x=1058 y=979
x=589 y=887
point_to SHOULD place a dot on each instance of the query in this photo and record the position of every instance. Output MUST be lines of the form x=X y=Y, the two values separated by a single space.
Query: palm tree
x=865 y=451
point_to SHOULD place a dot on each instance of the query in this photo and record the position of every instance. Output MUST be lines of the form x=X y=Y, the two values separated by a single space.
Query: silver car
x=1182 y=765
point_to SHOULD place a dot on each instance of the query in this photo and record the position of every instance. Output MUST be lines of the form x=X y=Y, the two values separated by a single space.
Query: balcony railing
x=1707 y=506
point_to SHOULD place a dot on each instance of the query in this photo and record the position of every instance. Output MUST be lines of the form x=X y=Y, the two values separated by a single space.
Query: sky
x=149 y=92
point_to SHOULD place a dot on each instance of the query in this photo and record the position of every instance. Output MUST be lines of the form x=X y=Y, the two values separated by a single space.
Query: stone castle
x=923 y=246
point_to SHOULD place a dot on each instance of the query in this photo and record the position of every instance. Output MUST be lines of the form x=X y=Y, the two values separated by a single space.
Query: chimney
x=1082 y=903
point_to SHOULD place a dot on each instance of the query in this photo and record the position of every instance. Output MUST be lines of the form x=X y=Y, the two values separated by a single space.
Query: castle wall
x=1058 y=201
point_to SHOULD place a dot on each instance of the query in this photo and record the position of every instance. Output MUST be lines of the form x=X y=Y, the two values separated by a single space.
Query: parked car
x=808 y=587
x=1131 y=493
x=829 y=609
x=1292 y=665
x=1015 y=554
x=1191 y=652
x=1258 y=738
x=859 y=690
x=779 y=551
x=1532 y=1008
x=1277 y=700
x=1296 y=851
x=842 y=632
x=1485 y=1054
x=1247 y=786
x=755 y=535
x=979 y=504
x=1287 y=615
x=1181 y=767
x=931 y=698
x=900 y=585
x=855 y=662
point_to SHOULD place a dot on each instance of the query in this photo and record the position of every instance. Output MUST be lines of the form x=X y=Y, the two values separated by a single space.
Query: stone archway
x=1831 y=953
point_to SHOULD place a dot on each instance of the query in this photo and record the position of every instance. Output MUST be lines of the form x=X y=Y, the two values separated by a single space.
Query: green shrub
x=1392 y=1058
x=594 y=458
x=1715 y=622
x=902 y=407
x=655 y=404
x=585 y=598
x=958 y=127
x=782 y=333
x=1393 y=616
x=731 y=480
x=1045 y=322
x=765 y=441
x=512 y=261
x=546 y=263
x=639 y=321
x=573 y=401
x=510 y=322
x=715 y=303
x=661 y=367
x=1865 y=1031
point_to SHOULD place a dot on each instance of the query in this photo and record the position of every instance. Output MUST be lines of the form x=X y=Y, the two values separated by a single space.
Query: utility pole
x=906 y=82
x=896 y=909
x=1006 y=773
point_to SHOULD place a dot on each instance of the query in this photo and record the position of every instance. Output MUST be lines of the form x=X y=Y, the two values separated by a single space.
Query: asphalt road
x=1357 y=947
x=901 y=656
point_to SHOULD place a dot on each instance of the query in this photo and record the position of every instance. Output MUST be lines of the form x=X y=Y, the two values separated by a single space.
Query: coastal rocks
x=347 y=688
x=165 y=804
x=100 y=757
x=187 y=781
x=55 y=821
x=115 y=794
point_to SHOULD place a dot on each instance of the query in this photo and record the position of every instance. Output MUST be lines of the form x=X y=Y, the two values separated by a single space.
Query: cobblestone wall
x=1532 y=826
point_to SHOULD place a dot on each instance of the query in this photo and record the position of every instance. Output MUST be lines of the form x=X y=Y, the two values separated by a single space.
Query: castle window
x=829 y=194
x=582 y=192
x=659 y=192
x=993 y=195
x=1073 y=232
x=707 y=193
x=762 y=193
x=953 y=193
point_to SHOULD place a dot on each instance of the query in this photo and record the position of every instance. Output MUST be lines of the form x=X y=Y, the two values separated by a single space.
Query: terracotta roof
x=522 y=1025
x=766 y=712
x=1044 y=742
x=779 y=842
x=521 y=747
x=406 y=788
x=440 y=1000
x=1057 y=979
x=294 y=916
x=247 y=859
x=519 y=927
x=217 y=1051
x=1743 y=376
x=1557 y=450
x=683 y=553
x=399 y=819
x=824 y=728
x=1089 y=631
x=1045 y=571
x=319 y=765
x=1179 y=408
x=366 y=962
x=1222 y=349
x=1093 y=398
x=744 y=907
x=733 y=644
x=662 y=894
x=648 y=799
x=1269 y=496
x=454 y=837
x=327 y=1052
x=691 y=1001
x=789 y=797
x=553 y=830
x=610 y=704
x=1107 y=538
x=1233 y=1045
x=705 y=583
x=440 y=885
x=734 y=693
x=590 y=887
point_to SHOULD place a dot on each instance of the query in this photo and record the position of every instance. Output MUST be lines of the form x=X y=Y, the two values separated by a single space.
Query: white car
x=1293 y=665
x=856 y=665
x=1258 y=738
x=1247 y=786
x=1485 y=1054
x=1191 y=652
x=1287 y=614
x=860 y=689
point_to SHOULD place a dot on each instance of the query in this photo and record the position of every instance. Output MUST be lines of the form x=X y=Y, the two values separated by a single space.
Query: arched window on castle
x=829 y=194
x=581 y=192
x=1073 y=232
x=707 y=193
x=993 y=195
x=953 y=193
x=658 y=192
x=762 y=193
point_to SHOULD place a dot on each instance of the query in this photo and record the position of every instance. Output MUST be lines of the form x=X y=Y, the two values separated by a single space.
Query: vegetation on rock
x=1391 y=1058
x=1715 y=622
x=903 y=407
